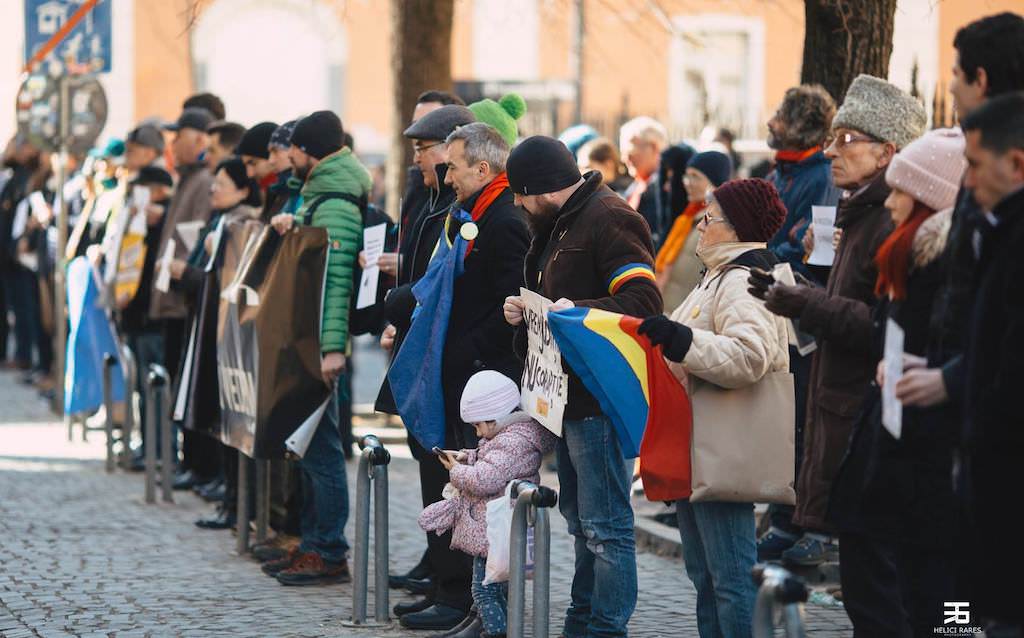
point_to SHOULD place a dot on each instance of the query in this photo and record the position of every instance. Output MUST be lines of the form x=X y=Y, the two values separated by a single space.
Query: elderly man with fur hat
x=875 y=121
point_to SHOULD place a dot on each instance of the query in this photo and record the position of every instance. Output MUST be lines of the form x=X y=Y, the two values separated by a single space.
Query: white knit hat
x=930 y=168
x=488 y=396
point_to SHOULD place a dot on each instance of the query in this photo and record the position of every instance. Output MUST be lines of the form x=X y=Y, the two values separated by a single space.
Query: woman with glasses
x=677 y=268
x=721 y=336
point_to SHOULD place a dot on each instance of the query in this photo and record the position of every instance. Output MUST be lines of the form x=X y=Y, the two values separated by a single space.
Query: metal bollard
x=242 y=505
x=150 y=442
x=531 y=509
x=262 y=500
x=373 y=466
x=109 y=361
x=159 y=388
x=776 y=586
x=128 y=367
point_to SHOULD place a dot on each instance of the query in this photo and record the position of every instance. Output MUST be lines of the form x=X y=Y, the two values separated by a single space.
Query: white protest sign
x=163 y=268
x=545 y=384
x=373 y=248
x=892 y=409
x=823 y=227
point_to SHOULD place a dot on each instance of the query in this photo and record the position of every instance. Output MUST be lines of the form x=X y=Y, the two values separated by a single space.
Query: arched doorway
x=271 y=59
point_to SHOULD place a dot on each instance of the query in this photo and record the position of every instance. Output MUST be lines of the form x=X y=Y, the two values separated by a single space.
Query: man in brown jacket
x=190 y=203
x=589 y=249
x=874 y=122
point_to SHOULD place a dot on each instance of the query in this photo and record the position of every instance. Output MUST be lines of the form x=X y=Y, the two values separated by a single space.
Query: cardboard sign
x=545 y=386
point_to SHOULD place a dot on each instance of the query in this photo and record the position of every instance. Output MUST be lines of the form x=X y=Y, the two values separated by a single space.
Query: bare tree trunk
x=844 y=38
x=420 y=60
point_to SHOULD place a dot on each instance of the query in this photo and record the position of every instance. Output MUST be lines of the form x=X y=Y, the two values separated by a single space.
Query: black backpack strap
x=360 y=203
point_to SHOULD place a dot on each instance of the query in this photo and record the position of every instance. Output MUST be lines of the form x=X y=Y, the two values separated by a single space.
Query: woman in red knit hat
x=722 y=341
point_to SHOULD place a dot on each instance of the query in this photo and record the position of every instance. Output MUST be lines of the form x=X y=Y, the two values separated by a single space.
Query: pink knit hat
x=930 y=168
x=488 y=396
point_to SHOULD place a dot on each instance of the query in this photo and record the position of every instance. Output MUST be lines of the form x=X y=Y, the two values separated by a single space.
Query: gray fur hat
x=882 y=110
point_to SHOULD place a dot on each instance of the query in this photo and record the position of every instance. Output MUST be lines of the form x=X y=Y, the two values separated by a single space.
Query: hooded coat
x=514 y=453
x=339 y=172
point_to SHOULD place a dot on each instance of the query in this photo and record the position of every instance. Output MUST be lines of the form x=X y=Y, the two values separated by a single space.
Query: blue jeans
x=720 y=549
x=148 y=347
x=594 y=483
x=325 y=488
x=491 y=600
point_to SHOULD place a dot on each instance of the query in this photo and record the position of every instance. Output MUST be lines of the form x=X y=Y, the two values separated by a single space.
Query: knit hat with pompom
x=753 y=208
x=502 y=115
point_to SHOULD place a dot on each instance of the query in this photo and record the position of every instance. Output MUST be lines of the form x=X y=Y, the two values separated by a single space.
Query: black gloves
x=760 y=281
x=675 y=338
x=780 y=299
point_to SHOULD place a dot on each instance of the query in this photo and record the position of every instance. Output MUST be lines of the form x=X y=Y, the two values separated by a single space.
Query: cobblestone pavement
x=81 y=555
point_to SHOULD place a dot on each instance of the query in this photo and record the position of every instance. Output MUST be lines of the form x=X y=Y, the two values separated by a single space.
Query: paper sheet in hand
x=189 y=233
x=163 y=274
x=373 y=248
x=803 y=342
x=892 y=409
x=824 y=227
x=545 y=385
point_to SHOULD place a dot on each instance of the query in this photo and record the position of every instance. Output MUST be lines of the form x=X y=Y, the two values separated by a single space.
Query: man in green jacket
x=327 y=169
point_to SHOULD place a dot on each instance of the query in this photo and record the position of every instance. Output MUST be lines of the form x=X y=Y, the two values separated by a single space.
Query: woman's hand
x=675 y=338
x=178 y=267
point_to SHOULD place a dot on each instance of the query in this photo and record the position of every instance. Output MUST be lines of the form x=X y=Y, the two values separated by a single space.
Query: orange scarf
x=796 y=156
x=677 y=237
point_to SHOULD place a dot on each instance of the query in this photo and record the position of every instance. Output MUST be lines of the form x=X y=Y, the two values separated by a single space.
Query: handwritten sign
x=545 y=385
x=373 y=248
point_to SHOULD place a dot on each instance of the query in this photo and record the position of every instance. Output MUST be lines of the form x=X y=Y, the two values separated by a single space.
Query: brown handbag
x=742 y=448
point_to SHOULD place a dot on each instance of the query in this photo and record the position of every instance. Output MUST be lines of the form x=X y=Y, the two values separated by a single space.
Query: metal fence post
x=532 y=502
x=262 y=500
x=373 y=462
x=150 y=440
x=242 y=505
x=128 y=367
x=109 y=361
x=159 y=382
x=776 y=586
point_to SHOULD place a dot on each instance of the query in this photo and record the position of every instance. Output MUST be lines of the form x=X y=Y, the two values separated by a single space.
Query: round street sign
x=38 y=111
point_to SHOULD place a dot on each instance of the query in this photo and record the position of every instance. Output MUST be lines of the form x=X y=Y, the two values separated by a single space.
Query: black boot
x=456 y=631
x=402 y=609
x=437 y=617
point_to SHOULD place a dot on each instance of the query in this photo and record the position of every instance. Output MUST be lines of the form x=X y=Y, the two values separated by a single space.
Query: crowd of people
x=715 y=264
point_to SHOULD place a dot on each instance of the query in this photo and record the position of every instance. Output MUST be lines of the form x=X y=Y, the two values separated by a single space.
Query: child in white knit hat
x=511 y=447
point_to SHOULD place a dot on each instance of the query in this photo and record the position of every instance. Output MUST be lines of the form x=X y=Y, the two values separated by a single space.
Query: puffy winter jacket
x=514 y=453
x=339 y=172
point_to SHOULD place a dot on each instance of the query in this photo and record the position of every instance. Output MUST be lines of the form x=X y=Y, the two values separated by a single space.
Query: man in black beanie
x=333 y=180
x=589 y=249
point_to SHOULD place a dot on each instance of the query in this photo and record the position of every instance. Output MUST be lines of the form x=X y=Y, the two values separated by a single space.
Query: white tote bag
x=499 y=539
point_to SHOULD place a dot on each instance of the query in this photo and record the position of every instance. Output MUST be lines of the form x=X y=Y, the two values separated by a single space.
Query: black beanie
x=234 y=167
x=541 y=165
x=256 y=140
x=318 y=134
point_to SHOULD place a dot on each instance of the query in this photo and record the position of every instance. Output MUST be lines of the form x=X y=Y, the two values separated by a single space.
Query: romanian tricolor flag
x=629 y=272
x=629 y=377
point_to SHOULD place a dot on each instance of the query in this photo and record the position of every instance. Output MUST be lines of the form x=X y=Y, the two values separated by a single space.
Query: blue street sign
x=88 y=44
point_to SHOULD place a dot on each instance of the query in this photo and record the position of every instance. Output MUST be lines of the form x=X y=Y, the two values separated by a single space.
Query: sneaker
x=275 y=567
x=810 y=551
x=775 y=541
x=310 y=568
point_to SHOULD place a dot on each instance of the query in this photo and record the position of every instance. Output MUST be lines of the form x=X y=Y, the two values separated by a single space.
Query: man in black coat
x=477 y=337
x=993 y=375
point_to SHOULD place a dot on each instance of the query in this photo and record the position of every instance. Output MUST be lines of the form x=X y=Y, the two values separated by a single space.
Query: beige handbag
x=742 y=448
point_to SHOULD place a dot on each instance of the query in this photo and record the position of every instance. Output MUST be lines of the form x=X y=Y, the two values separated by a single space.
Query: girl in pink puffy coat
x=511 y=447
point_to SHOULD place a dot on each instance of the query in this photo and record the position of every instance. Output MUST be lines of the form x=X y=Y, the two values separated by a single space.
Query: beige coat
x=736 y=341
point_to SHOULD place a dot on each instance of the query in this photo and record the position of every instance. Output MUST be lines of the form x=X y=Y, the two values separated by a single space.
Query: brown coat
x=844 y=364
x=595 y=236
x=191 y=202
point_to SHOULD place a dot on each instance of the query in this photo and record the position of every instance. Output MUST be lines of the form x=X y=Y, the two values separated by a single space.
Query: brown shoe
x=275 y=548
x=274 y=567
x=310 y=568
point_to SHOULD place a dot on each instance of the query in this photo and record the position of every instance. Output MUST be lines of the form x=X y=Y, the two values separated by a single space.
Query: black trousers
x=452 y=570
x=893 y=589
x=200 y=453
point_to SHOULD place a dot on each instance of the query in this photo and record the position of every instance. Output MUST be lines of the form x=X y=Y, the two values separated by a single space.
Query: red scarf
x=267 y=182
x=483 y=202
x=796 y=156
x=894 y=255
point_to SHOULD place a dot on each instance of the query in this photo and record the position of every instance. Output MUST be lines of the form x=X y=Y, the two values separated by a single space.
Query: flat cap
x=439 y=123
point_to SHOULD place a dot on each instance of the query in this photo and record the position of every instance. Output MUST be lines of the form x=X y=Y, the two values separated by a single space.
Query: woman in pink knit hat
x=893 y=497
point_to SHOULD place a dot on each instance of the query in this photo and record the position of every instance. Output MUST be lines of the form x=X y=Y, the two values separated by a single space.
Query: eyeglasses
x=839 y=141
x=416 y=150
x=708 y=220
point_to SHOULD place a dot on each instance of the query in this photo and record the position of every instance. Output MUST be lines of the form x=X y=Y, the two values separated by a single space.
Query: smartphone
x=436 y=450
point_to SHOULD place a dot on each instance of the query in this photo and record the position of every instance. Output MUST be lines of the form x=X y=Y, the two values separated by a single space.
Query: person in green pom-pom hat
x=502 y=114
